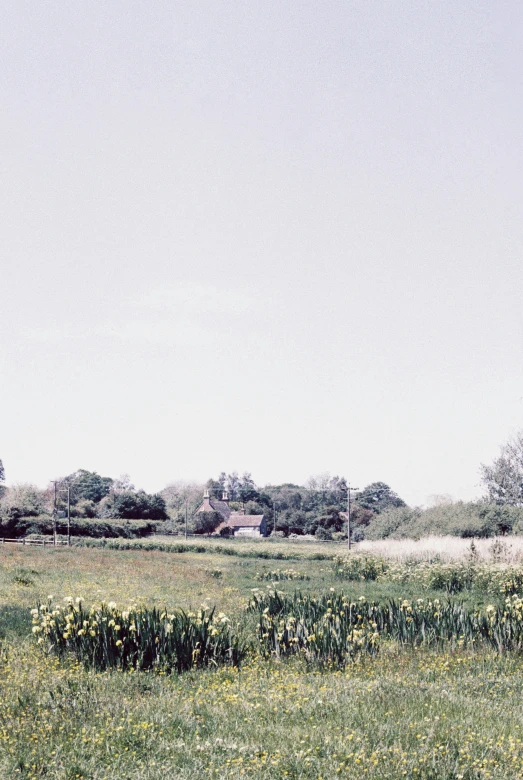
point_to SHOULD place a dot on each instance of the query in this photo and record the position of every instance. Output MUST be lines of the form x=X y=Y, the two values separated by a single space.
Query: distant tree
x=24 y=501
x=122 y=485
x=88 y=485
x=135 y=506
x=215 y=488
x=233 y=486
x=176 y=495
x=338 y=488
x=332 y=519
x=86 y=508
x=247 y=489
x=377 y=497
x=504 y=478
x=2 y=479
x=360 y=517
x=206 y=522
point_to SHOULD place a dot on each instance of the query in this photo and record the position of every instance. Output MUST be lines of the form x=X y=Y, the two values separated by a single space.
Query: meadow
x=447 y=708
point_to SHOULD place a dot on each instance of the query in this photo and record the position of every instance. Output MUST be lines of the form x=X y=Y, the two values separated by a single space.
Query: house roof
x=213 y=505
x=222 y=507
x=237 y=520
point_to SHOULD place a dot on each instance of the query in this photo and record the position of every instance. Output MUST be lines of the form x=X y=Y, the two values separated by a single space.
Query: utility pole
x=349 y=488
x=68 y=515
x=186 y=518
x=54 y=512
x=274 y=508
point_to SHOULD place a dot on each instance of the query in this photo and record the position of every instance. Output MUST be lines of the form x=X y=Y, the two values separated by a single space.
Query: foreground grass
x=425 y=714
x=404 y=713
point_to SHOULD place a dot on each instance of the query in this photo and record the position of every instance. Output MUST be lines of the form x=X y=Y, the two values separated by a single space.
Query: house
x=233 y=523
x=213 y=505
x=247 y=525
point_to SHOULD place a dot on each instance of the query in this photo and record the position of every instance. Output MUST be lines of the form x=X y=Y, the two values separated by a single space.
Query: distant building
x=233 y=523
x=213 y=505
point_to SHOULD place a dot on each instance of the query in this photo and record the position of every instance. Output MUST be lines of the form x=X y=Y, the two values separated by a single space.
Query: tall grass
x=506 y=549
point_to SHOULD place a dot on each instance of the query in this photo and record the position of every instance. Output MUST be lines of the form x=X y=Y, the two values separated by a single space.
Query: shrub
x=80 y=527
x=467 y=520
x=391 y=522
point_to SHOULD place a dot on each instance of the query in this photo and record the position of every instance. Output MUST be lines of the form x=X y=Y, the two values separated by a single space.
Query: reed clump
x=138 y=638
x=333 y=629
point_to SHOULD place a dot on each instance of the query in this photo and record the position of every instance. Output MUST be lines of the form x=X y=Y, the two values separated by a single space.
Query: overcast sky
x=268 y=236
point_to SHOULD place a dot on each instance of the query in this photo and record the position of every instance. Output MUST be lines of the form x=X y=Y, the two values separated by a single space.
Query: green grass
x=404 y=713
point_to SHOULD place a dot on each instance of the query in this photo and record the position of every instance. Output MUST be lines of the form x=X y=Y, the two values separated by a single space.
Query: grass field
x=406 y=712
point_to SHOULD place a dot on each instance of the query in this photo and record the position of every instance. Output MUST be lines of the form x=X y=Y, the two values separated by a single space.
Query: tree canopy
x=377 y=497
x=503 y=479
x=88 y=485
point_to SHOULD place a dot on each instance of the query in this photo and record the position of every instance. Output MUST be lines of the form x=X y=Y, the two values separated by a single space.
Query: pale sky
x=272 y=237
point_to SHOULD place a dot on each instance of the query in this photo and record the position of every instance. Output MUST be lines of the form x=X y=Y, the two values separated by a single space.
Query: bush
x=467 y=520
x=135 y=506
x=206 y=522
x=86 y=508
x=43 y=525
x=391 y=523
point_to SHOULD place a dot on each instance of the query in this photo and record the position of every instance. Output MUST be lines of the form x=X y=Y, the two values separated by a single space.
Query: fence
x=41 y=542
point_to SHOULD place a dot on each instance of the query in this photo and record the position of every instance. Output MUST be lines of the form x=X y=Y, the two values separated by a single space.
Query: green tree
x=2 y=479
x=233 y=486
x=377 y=497
x=332 y=519
x=206 y=522
x=88 y=485
x=137 y=506
x=503 y=479
x=215 y=488
x=247 y=490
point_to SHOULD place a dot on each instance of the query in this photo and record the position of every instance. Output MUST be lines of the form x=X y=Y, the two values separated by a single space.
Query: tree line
x=112 y=506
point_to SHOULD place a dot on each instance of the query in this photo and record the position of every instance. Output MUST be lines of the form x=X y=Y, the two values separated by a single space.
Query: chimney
x=206 y=502
x=225 y=497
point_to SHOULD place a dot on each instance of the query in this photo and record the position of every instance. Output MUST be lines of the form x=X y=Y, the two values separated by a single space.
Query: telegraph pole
x=186 y=518
x=68 y=515
x=54 y=513
x=349 y=488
